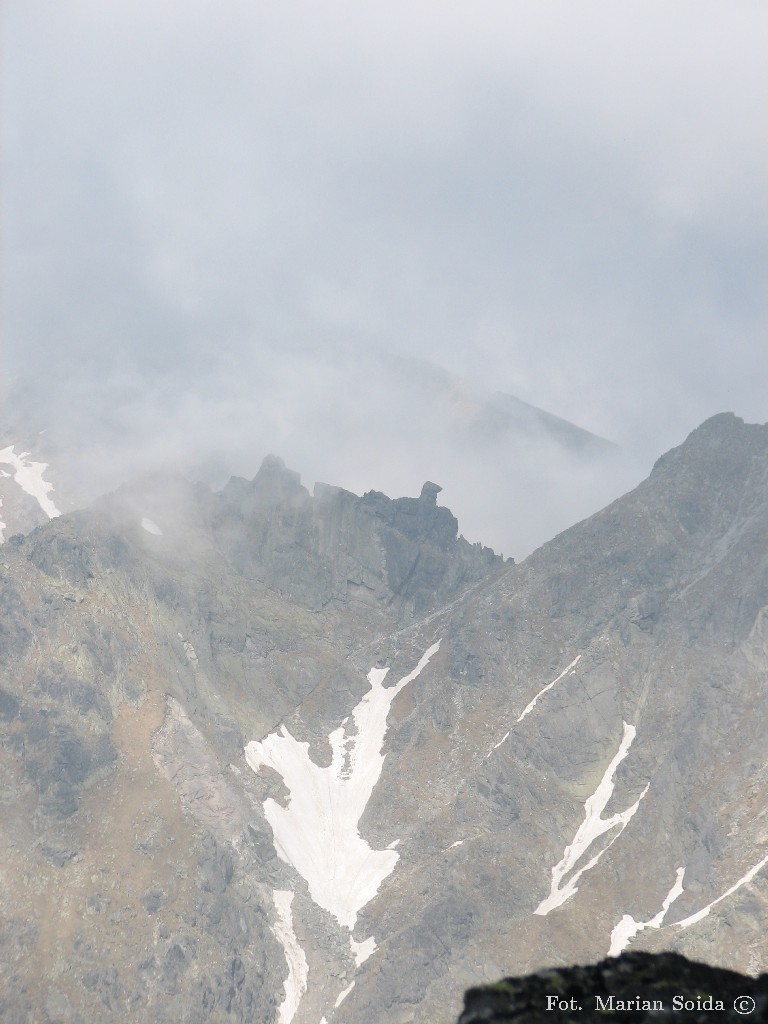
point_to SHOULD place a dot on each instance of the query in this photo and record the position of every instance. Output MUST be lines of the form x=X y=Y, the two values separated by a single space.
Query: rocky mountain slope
x=273 y=756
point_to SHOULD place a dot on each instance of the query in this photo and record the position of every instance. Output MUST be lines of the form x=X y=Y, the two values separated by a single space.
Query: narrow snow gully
x=569 y=669
x=744 y=880
x=593 y=826
x=296 y=982
x=628 y=927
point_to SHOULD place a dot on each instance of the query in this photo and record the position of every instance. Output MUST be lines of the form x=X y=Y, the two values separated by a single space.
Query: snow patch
x=343 y=995
x=699 y=915
x=151 y=527
x=362 y=950
x=459 y=842
x=298 y=972
x=628 y=927
x=532 y=705
x=317 y=832
x=29 y=476
x=591 y=829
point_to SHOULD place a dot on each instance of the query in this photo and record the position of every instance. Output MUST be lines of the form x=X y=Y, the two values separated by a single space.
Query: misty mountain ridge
x=489 y=416
x=392 y=423
x=292 y=757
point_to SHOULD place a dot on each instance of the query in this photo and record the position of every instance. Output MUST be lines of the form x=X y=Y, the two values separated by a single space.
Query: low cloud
x=217 y=218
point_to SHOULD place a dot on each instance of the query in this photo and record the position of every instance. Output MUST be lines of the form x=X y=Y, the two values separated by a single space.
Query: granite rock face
x=268 y=755
x=645 y=988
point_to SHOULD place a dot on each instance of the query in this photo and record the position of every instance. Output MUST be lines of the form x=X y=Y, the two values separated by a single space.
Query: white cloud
x=563 y=202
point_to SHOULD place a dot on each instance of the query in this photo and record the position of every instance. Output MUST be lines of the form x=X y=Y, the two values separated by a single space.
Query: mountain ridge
x=577 y=765
x=419 y=419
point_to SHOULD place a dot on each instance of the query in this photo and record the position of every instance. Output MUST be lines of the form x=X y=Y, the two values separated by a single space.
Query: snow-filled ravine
x=29 y=476
x=628 y=927
x=704 y=912
x=569 y=669
x=295 y=984
x=317 y=831
x=594 y=825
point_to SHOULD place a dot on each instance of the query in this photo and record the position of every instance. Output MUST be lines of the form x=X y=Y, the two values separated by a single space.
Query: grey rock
x=135 y=667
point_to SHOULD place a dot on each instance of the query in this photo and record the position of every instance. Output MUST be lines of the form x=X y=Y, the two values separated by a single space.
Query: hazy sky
x=213 y=211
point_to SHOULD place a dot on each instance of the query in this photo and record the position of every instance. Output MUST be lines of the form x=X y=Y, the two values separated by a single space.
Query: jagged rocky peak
x=721 y=449
x=419 y=519
x=274 y=484
x=429 y=492
x=334 y=545
x=702 y=498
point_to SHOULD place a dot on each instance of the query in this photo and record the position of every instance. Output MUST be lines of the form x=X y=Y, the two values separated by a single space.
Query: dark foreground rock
x=633 y=987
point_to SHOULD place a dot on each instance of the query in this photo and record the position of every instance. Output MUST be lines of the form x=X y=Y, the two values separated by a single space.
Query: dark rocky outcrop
x=643 y=988
x=403 y=554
